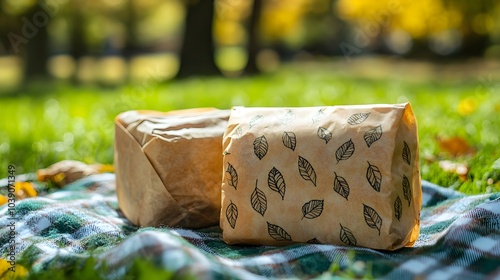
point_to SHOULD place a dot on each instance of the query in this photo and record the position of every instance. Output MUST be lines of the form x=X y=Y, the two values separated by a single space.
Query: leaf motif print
x=276 y=182
x=232 y=214
x=373 y=135
x=374 y=177
x=314 y=241
x=407 y=189
x=372 y=218
x=398 y=209
x=288 y=117
x=258 y=200
x=319 y=115
x=232 y=176
x=340 y=186
x=406 y=153
x=324 y=134
x=260 y=146
x=306 y=170
x=239 y=132
x=346 y=236
x=278 y=233
x=357 y=118
x=256 y=120
x=312 y=209
x=289 y=140
x=345 y=151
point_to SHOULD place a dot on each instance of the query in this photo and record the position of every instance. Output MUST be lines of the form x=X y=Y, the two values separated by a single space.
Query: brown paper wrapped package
x=346 y=175
x=168 y=166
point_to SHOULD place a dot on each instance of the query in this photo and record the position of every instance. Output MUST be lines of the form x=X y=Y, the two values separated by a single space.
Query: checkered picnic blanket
x=460 y=239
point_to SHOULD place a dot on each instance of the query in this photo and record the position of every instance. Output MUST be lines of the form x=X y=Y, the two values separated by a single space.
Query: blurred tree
x=234 y=36
x=258 y=25
x=36 y=52
x=282 y=28
x=78 y=45
x=253 y=45
x=282 y=21
x=11 y=37
x=197 y=52
x=5 y=28
x=4 y=40
x=130 y=20
x=325 y=29
x=447 y=27
x=476 y=24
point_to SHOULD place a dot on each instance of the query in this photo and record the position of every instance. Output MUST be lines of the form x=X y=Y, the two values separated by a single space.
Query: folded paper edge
x=124 y=189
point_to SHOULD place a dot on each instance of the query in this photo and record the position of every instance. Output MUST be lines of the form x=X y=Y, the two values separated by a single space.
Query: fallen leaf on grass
x=25 y=190
x=460 y=169
x=21 y=190
x=68 y=171
x=467 y=106
x=455 y=146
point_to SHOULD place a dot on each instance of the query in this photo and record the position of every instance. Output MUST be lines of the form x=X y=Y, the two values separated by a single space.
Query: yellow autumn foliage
x=281 y=19
x=25 y=190
x=418 y=18
x=21 y=190
x=3 y=199
x=228 y=21
x=229 y=32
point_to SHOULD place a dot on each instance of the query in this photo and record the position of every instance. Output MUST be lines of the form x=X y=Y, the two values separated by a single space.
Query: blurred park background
x=112 y=42
x=68 y=67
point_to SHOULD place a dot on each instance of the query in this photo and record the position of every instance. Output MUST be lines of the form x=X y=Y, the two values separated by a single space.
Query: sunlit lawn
x=46 y=122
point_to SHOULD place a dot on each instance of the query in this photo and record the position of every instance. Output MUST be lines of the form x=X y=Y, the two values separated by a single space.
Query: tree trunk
x=197 y=53
x=5 y=28
x=253 y=46
x=36 y=49
x=77 y=46
x=131 y=43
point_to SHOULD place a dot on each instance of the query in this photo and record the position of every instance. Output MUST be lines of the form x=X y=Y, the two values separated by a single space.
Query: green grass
x=46 y=123
x=89 y=268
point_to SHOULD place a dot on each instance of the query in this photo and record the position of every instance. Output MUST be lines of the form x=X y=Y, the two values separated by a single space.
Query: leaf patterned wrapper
x=345 y=175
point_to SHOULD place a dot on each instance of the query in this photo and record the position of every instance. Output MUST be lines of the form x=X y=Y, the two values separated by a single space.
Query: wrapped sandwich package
x=168 y=166
x=346 y=175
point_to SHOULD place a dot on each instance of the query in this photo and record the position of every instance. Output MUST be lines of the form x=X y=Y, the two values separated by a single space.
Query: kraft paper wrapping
x=345 y=175
x=168 y=166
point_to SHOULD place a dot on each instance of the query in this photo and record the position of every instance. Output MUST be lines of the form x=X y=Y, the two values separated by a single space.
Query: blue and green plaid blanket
x=460 y=239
